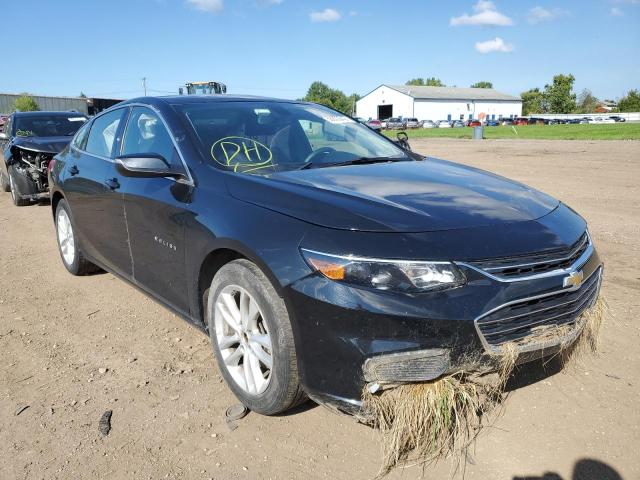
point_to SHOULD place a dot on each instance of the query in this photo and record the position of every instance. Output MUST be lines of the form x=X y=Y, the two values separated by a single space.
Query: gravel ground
x=72 y=348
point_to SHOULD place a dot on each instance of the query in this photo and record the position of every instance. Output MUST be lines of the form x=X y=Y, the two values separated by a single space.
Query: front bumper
x=347 y=337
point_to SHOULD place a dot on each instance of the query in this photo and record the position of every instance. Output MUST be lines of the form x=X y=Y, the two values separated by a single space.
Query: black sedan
x=27 y=144
x=318 y=255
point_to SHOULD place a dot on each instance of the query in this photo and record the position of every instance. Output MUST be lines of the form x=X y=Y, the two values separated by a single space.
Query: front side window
x=267 y=137
x=43 y=125
x=146 y=134
x=102 y=136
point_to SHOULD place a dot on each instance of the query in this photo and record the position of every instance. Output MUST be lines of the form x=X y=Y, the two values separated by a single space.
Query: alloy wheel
x=66 y=240
x=243 y=339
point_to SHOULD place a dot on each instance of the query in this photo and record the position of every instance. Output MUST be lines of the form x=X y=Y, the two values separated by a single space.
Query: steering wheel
x=317 y=153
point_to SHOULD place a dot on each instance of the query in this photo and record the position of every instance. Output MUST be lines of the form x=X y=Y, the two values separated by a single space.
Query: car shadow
x=302 y=408
x=584 y=469
x=533 y=372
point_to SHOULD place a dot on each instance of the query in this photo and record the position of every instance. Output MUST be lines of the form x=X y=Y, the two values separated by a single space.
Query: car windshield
x=48 y=125
x=267 y=137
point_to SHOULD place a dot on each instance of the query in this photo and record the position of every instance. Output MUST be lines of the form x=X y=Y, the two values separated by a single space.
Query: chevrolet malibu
x=319 y=256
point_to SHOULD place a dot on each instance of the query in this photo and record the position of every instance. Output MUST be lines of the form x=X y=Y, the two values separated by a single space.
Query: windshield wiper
x=354 y=161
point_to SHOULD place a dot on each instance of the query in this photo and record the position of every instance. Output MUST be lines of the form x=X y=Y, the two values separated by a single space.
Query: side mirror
x=146 y=166
x=402 y=141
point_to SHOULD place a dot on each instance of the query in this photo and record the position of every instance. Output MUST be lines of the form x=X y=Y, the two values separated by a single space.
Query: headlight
x=396 y=275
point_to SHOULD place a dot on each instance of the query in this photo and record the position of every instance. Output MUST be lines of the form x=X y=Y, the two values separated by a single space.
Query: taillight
x=51 y=164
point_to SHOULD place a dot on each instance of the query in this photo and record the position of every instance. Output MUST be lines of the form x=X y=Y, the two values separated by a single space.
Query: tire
x=264 y=390
x=72 y=257
x=17 y=185
x=4 y=183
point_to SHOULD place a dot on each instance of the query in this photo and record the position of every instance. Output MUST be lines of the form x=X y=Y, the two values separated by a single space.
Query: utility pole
x=144 y=85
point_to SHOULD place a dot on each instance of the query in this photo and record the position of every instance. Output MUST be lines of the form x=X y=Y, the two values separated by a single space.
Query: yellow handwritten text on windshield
x=241 y=154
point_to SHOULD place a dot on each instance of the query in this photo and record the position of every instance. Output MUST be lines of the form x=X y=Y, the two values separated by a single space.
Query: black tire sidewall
x=74 y=268
x=22 y=185
x=248 y=276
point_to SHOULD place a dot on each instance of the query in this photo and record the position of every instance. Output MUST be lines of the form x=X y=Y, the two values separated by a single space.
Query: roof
x=37 y=113
x=452 y=93
x=216 y=98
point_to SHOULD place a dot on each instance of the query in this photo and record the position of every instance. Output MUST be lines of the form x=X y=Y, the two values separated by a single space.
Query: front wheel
x=252 y=339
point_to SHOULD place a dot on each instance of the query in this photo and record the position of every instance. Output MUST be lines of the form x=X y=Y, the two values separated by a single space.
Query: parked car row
x=319 y=256
x=408 y=123
x=569 y=121
x=398 y=123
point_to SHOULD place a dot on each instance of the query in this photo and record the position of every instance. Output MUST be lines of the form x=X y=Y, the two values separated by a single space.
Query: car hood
x=42 y=144
x=415 y=196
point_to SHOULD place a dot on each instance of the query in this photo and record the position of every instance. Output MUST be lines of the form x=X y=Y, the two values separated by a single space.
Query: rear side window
x=102 y=136
x=7 y=127
x=80 y=140
x=147 y=134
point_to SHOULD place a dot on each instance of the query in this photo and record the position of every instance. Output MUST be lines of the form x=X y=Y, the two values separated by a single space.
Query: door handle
x=73 y=170
x=112 y=183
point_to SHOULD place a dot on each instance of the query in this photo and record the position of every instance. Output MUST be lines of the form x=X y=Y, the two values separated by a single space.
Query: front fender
x=223 y=222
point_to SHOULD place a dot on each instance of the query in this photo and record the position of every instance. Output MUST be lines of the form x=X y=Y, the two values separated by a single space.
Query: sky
x=278 y=48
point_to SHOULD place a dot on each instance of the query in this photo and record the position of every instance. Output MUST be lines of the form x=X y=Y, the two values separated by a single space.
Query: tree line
x=559 y=97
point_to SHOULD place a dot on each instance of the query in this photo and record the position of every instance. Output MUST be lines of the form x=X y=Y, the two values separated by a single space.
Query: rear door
x=156 y=210
x=96 y=205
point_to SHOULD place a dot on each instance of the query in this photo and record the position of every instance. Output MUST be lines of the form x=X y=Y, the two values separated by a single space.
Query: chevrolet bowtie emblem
x=574 y=279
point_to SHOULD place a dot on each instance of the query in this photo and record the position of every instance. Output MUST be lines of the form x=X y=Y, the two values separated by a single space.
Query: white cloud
x=495 y=45
x=486 y=13
x=214 y=6
x=327 y=15
x=539 y=14
x=616 y=12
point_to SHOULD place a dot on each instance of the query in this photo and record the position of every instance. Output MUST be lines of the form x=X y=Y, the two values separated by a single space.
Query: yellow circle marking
x=237 y=152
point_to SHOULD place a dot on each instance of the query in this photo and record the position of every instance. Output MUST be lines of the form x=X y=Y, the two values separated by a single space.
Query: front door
x=156 y=210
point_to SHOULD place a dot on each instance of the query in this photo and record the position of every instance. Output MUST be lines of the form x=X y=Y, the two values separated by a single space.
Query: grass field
x=617 y=131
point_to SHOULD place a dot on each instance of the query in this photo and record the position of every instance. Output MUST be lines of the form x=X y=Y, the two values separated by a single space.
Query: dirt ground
x=72 y=348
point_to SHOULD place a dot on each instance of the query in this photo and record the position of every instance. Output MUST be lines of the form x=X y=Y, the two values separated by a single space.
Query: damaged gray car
x=28 y=143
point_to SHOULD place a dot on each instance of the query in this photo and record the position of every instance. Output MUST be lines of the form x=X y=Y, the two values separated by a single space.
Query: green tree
x=323 y=94
x=26 y=103
x=630 y=102
x=82 y=95
x=429 y=82
x=587 y=102
x=416 y=81
x=533 y=101
x=482 y=85
x=559 y=96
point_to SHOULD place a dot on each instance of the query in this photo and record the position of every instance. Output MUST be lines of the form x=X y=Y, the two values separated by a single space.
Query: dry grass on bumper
x=424 y=422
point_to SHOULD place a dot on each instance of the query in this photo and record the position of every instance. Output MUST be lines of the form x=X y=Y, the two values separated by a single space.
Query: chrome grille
x=525 y=322
x=534 y=264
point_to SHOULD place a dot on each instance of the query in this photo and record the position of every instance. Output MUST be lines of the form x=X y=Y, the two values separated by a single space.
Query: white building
x=437 y=103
